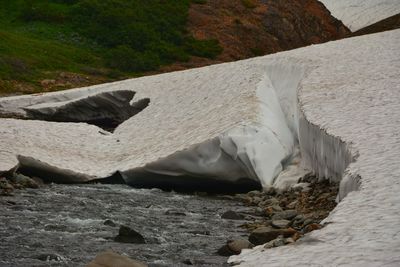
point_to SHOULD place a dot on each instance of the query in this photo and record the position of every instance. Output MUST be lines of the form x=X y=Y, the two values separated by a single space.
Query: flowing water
x=63 y=225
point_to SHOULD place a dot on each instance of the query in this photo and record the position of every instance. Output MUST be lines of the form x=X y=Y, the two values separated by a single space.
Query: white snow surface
x=224 y=122
x=353 y=98
x=357 y=14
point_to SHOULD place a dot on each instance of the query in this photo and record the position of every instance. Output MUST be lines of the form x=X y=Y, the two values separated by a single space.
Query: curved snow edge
x=256 y=150
x=327 y=155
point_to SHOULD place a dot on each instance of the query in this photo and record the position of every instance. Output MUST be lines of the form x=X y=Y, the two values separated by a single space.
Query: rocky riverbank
x=282 y=218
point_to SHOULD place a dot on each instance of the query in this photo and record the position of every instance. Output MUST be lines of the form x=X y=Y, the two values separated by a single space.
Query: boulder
x=128 y=235
x=263 y=235
x=111 y=259
x=234 y=247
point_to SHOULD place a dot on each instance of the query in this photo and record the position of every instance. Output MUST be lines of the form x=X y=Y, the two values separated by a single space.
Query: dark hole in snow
x=186 y=183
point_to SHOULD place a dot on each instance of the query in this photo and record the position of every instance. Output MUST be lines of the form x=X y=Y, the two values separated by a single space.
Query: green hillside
x=105 y=38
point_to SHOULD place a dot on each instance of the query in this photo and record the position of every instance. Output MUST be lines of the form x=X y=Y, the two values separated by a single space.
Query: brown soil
x=262 y=27
x=387 y=24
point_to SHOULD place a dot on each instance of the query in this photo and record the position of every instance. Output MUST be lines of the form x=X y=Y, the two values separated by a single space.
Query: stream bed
x=63 y=225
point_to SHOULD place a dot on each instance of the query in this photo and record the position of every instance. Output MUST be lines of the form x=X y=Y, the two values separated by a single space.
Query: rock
x=49 y=257
x=55 y=227
x=112 y=259
x=256 y=200
x=6 y=187
x=128 y=235
x=232 y=215
x=254 y=193
x=286 y=215
x=292 y=204
x=268 y=202
x=265 y=234
x=308 y=221
x=311 y=227
x=189 y=262
x=280 y=223
x=24 y=180
x=175 y=212
x=47 y=82
x=108 y=222
x=289 y=240
x=237 y=245
x=279 y=241
x=200 y=232
x=234 y=247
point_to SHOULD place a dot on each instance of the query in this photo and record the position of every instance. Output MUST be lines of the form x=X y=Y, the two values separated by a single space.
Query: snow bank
x=357 y=14
x=187 y=134
x=349 y=123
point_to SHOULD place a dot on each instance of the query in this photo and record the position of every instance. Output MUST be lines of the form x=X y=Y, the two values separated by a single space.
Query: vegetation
x=38 y=37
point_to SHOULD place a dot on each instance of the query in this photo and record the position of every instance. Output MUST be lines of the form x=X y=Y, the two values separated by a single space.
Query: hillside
x=50 y=45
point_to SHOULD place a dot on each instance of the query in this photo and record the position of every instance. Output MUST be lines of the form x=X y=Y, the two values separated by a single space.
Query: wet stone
x=286 y=215
x=263 y=235
x=49 y=257
x=128 y=235
x=234 y=247
x=24 y=181
x=232 y=215
x=112 y=259
x=175 y=212
x=280 y=223
x=109 y=222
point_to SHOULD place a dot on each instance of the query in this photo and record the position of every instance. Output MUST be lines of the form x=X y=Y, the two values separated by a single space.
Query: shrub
x=249 y=3
x=203 y=48
x=126 y=59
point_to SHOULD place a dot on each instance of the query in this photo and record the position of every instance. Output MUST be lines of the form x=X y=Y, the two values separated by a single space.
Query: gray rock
x=292 y=204
x=5 y=187
x=111 y=259
x=55 y=228
x=254 y=193
x=175 y=212
x=49 y=257
x=280 y=223
x=256 y=200
x=128 y=235
x=24 y=181
x=286 y=215
x=232 y=215
x=234 y=247
x=108 y=222
x=308 y=221
x=237 y=245
x=264 y=234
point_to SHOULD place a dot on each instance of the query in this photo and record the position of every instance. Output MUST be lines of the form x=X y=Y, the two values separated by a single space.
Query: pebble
x=311 y=227
x=263 y=235
x=286 y=215
x=280 y=223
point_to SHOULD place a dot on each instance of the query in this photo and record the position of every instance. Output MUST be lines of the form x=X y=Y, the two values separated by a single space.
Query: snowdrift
x=358 y=14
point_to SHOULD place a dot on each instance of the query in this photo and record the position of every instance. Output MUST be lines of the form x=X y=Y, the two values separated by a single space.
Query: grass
x=115 y=38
